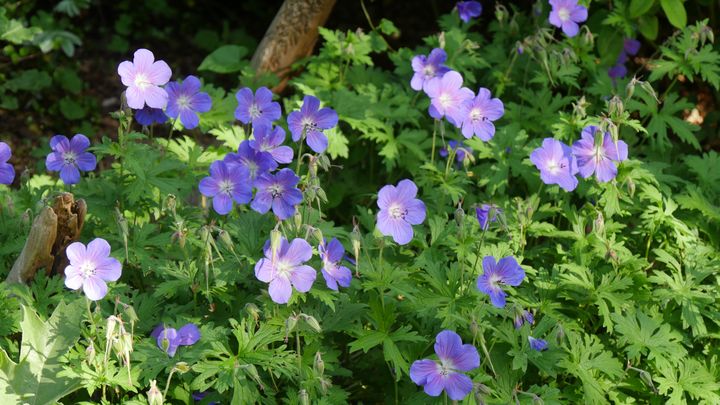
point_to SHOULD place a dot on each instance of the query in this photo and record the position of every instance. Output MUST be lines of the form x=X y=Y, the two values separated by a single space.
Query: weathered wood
x=51 y=232
x=291 y=36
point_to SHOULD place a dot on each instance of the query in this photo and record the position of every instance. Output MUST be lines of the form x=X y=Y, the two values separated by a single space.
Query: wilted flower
x=7 y=171
x=279 y=192
x=69 y=157
x=169 y=339
x=399 y=210
x=523 y=316
x=566 y=14
x=537 y=344
x=258 y=109
x=332 y=255
x=486 y=214
x=468 y=10
x=256 y=162
x=148 y=116
x=506 y=271
x=143 y=78
x=310 y=122
x=185 y=100
x=428 y=67
x=455 y=357
x=91 y=267
x=269 y=140
x=556 y=163
x=448 y=98
x=599 y=158
x=481 y=112
x=285 y=269
x=226 y=184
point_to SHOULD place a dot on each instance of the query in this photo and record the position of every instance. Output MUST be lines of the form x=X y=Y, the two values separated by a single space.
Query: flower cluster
x=594 y=153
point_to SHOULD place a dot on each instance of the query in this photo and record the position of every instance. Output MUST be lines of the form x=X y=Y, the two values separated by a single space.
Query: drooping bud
x=154 y=395
x=253 y=311
x=297 y=219
x=441 y=40
x=90 y=353
x=630 y=88
x=356 y=241
x=631 y=187
x=649 y=90
x=290 y=324
x=171 y=203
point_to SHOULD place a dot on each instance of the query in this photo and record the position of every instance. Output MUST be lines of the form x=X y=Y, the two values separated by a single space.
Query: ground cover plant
x=524 y=208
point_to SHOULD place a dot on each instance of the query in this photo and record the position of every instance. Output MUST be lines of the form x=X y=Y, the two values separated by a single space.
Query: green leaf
x=645 y=336
x=226 y=59
x=367 y=341
x=648 y=26
x=675 y=12
x=640 y=7
x=337 y=144
x=689 y=377
x=35 y=379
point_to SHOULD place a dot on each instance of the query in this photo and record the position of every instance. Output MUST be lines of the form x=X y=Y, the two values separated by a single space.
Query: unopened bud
x=501 y=13
x=297 y=219
x=630 y=88
x=317 y=234
x=90 y=353
x=356 y=242
x=560 y=334
x=226 y=240
x=631 y=187
x=537 y=400
x=588 y=38
x=324 y=162
x=441 y=40
x=616 y=106
x=122 y=223
x=171 y=203
x=319 y=363
x=304 y=397
x=290 y=324
x=647 y=379
x=154 y=395
x=110 y=326
x=253 y=311
x=459 y=216
x=599 y=224
x=312 y=323
x=205 y=235
x=325 y=384
x=649 y=90
x=275 y=239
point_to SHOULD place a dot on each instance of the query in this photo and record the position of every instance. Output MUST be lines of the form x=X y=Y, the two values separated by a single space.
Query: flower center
x=275 y=190
x=255 y=111
x=283 y=269
x=183 y=102
x=445 y=100
x=397 y=211
x=495 y=279
x=309 y=125
x=429 y=71
x=564 y=14
x=446 y=367
x=599 y=154
x=226 y=186
x=476 y=114
x=142 y=81
x=553 y=166
x=87 y=269
x=69 y=158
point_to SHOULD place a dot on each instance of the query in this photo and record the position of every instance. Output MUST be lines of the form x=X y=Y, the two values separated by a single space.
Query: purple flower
x=148 y=116
x=446 y=374
x=556 y=163
x=7 y=171
x=225 y=184
x=256 y=162
x=258 y=109
x=186 y=101
x=537 y=344
x=593 y=157
x=399 y=210
x=506 y=271
x=428 y=67
x=448 y=97
x=143 y=78
x=91 y=267
x=279 y=192
x=332 y=254
x=486 y=214
x=269 y=140
x=481 y=112
x=566 y=14
x=286 y=269
x=462 y=152
x=468 y=10
x=523 y=316
x=630 y=47
x=310 y=121
x=68 y=156
x=169 y=339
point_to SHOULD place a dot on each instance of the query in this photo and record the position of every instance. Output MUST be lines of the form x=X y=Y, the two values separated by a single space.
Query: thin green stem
x=167 y=385
x=432 y=152
x=300 y=154
x=299 y=355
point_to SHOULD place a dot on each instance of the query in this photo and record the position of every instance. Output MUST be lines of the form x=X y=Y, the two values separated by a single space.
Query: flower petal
x=94 y=288
x=458 y=386
x=422 y=370
x=303 y=277
x=280 y=290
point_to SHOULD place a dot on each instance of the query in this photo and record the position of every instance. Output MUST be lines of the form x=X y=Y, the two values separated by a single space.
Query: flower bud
x=290 y=324
x=110 y=326
x=325 y=384
x=356 y=241
x=317 y=234
x=275 y=239
x=537 y=400
x=226 y=240
x=631 y=187
x=171 y=203
x=312 y=323
x=630 y=88
x=90 y=353
x=319 y=363
x=441 y=40
x=616 y=106
x=501 y=13
x=324 y=162
x=649 y=90
x=253 y=311
x=154 y=395
x=599 y=224
x=304 y=397
x=297 y=219
x=459 y=216
x=182 y=367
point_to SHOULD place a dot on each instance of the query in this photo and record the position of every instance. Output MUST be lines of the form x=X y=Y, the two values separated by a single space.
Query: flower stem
x=167 y=385
x=432 y=152
x=300 y=152
x=299 y=355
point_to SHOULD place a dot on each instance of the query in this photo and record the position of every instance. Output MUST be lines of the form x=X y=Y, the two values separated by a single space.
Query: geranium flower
x=256 y=162
x=258 y=109
x=599 y=159
x=143 y=78
x=481 y=112
x=506 y=271
x=310 y=121
x=269 y=140
x=286 y=270
x=630 y=48
x=225 y=185
x=279 y=192
x=169 y=339
x=537 y=344
x=332 y=255
x=428 y=67
x=468 y=10
x=566 y=14
x=91 y=267
x=7 y=171
x=556 y=163
x=487 y=213
x=185 y=100
x=148 y=116
x=448 y=97
x=69 y=157
x=399 y=211
x=455 y=357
